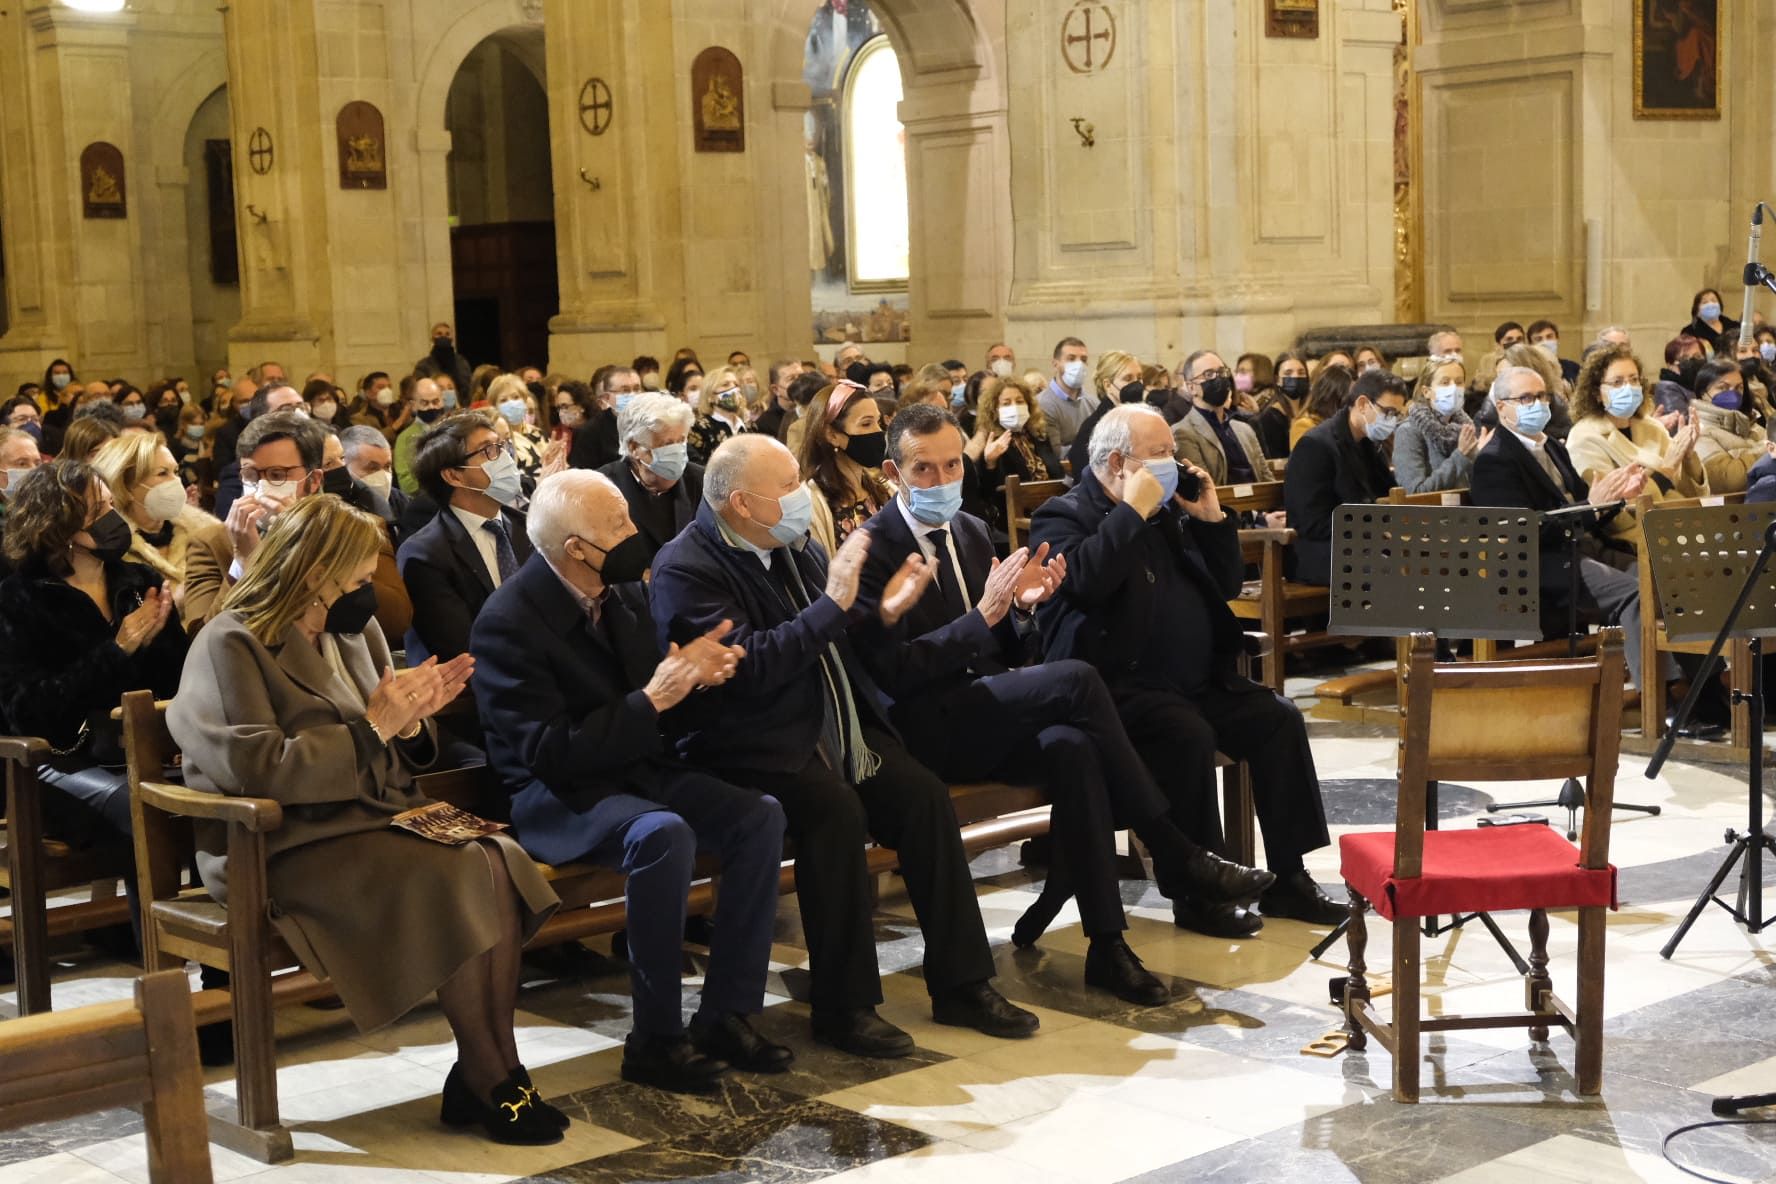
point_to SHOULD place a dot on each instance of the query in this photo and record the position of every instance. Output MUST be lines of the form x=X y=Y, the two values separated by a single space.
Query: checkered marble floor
x=1212 y=1087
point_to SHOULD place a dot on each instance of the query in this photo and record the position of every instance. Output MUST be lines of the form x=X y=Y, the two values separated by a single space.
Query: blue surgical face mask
x=798 y=514
x=669 y=461
x=937 y=505
x=959 y=394
x=1446 y=398
x=449 y=397
x=1165 y=471
x=1073 y=374
x=1552 y=345
x=1532 y=418
x=513 y=410
x=504 y=483
x=1767 y=350
x=1624 y=401
x=1382 y=426
x=1709 y=311
x=623 y=400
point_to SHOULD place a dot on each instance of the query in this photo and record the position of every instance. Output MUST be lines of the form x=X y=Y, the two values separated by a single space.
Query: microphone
x=1752 y=270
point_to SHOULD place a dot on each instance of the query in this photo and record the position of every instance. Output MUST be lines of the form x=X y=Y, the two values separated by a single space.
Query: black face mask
x=1134 y=392
x=624 y=563
x=443 y=346
x=1216 y=391
x=338 y=482
x=429 y=415
x=1294 y=387
x=351 y=613
x=869 y=450
x=110 y=536
x=1688 y=369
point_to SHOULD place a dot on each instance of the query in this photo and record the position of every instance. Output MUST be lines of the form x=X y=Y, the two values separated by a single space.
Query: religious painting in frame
x=102 y=193
x=718 y=101
x=1677 y=59
x=363 y=151
x=1291 y=18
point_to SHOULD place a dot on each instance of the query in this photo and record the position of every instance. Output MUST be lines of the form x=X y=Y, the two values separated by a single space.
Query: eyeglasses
x=486 y=452
x=277 y=474
x=1618 y=383
x=1520 y=400
x=1206 y=375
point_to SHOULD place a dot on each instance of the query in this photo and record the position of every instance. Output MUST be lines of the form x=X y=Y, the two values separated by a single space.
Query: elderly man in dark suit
x=476 y=541
x=654 y=473
x=1145 y=601
x=967 y=710
x=803 y=722
x=572 y=691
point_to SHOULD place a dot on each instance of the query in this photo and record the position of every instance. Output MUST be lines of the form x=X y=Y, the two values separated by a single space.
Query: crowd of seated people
x=677 y=610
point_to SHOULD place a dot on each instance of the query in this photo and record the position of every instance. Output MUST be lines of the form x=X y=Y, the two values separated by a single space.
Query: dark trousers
x=906 y=807
x=1178 y=736
x=657 y=849
x=1053 y=726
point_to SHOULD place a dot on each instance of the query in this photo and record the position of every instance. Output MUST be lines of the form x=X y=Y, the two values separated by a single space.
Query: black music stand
x=1469 y=572
x=1711 y=566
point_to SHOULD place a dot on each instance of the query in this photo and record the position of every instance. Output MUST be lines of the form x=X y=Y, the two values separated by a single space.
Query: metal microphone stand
x=1571 y=797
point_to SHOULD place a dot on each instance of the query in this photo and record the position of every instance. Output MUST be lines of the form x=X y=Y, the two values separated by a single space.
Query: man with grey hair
x=1444 y=342
x=1611 y=336
x=1149 y=574
x=1525 y=468
x=654 y=472
x=803 y=721
x=572 y=694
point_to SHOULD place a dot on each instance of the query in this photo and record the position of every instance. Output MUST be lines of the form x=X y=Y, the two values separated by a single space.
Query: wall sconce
x=1085 y=131
x=592 y=183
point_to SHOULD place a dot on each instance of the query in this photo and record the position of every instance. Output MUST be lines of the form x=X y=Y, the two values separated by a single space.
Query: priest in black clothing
x=1145 y=601
x=969 y=713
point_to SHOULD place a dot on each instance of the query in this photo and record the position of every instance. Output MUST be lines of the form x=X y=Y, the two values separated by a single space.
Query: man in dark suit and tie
x=968 y=713
x=802 y=721
x=572 y=689
x=474 y=543
x=654 y=473
x=1145 y=601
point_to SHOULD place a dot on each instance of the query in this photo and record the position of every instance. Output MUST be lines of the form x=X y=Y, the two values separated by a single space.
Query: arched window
x=875 y=171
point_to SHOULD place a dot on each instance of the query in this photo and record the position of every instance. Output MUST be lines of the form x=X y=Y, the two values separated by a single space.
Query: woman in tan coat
x=288 y=694
x=164 y=525
x=1614 y=428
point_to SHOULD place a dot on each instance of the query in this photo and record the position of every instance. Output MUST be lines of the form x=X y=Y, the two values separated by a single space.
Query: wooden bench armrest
x=160 y=705
x=27 y=750
x=259 y=815
x=1267 y=534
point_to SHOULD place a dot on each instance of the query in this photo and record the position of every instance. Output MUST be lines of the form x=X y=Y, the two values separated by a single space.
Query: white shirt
x=1533 y=443
x=475 y=524
x=921 y=532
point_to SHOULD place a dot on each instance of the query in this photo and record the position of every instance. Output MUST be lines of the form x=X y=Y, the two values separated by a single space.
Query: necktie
x=947 y=587
x=504 y=557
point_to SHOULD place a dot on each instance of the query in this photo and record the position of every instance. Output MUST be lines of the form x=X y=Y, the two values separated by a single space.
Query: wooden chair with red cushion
x=1492 y=721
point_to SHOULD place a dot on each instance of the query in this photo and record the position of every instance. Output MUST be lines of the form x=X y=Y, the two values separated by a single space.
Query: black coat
x=1727 y=337
x=685 y=497
x=1505 y=474
x=1326 y=470
x=448 y=583
x=60 y=667
x=595 y=442
x=768 y=716
x=1110 y=604
x=566 y=724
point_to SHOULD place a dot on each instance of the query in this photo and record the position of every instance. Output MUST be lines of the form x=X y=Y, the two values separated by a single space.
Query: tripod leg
x=1504 y=943
x=1720 y=875
x=1329 y=940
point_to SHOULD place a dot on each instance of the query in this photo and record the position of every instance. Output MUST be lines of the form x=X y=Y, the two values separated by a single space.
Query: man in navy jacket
x=802 y=721
x=966 y=711
x=572 y=690
x=1145 y=601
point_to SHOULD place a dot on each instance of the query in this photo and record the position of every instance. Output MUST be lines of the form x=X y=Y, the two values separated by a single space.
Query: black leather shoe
x=1216 y=920
x=670 y=1063
x=861 y=1032
x=1112 y=966
x=521 y=1076
x=984 y=1009
x=1297 y=896
x=508 y=1118
x=1206 y=876
x=734 y=1040
x=1697 y=728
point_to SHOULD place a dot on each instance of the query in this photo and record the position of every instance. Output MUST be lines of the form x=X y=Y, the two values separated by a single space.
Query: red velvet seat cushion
x=1486 y=870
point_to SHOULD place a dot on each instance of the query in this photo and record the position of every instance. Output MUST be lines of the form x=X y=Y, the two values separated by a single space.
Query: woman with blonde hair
x=721 y=413
x=841 y=461
x=1614 y=428
x=289 y=694
x=512 y=400
x=164 y=525
x=1434 y=448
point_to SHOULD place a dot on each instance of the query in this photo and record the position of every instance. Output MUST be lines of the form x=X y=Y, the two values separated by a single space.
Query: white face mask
x=13 y=477
x=1013 y=416
x=1073 y=374
x=387 y=396
x=278 y=493
x=1001 y=367
x=164 y=502
x=381 y=482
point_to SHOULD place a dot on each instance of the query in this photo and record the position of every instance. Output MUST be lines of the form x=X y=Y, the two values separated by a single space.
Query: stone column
x=617 y=221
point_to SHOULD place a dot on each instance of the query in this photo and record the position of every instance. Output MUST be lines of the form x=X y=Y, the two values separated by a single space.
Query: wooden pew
x=36 y=865
x=130 y=1053
x=1021 y=500
x=1271 y=601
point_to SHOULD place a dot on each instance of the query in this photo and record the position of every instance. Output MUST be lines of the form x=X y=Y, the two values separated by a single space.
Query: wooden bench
x=1021 y=500
x=181 y=922
x=36 y=865
x=1272 y=600
x=129 y=1053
